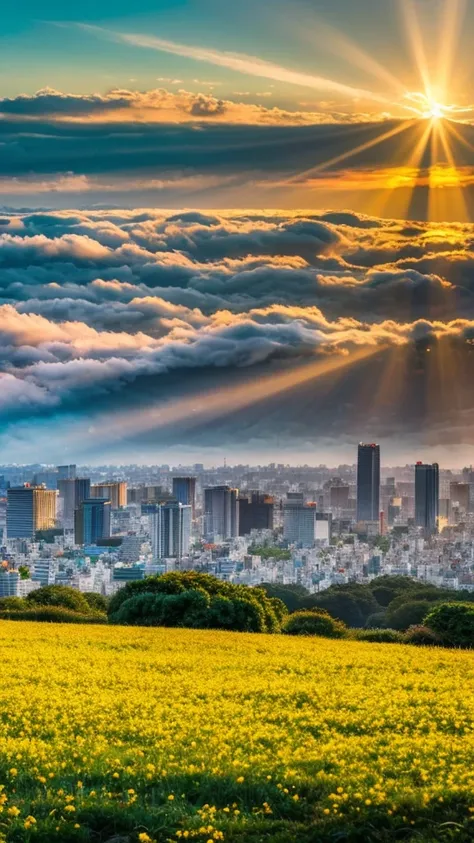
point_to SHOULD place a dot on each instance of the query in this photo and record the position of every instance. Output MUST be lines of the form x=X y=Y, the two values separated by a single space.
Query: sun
x=436 y=111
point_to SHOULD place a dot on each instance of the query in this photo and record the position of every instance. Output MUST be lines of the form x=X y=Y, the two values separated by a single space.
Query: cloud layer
x=108 y=309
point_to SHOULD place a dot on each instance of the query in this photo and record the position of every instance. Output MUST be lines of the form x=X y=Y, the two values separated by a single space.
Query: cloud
x=240 y=62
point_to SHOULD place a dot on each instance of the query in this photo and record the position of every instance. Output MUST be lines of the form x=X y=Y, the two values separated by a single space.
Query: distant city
x=97 y=528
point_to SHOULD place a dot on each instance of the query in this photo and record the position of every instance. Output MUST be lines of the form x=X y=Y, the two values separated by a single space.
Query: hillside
x=165 y=734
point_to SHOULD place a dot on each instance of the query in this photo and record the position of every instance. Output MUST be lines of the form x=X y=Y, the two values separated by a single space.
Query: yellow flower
x=13 y=811
x=170 y=797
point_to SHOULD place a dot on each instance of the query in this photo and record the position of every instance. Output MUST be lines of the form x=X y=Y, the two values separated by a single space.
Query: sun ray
x=415 y=37
x=344 y=156
x=451 y=22
x=218 y=403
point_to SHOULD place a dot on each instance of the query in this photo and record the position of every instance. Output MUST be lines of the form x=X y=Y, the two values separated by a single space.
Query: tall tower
x=368 y=482
x=184 y=490
x=427 y=497
x=170 y=528
x=29 y=509
x=221 y=511
x=92 y=521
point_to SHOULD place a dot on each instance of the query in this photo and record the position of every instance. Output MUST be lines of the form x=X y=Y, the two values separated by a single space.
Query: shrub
x=52 y=614
x=379 y=636
x=352 y=606
x=59 y=595
x=97 y=602
x=453 y=623
x=408 y=614
x=421 y=635
x=317 y=622
x=251 y=609
x=376 y=621
x=12 y=604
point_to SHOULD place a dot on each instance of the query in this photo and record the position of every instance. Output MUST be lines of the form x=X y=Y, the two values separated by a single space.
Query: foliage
x=97 y=602
x=351 y=605
x=383 y=543
x=376 y=621
x=317 y=622
x=422 y=636
x=51 y=614
x=408 y=614
x=291 y=595
x=12 y=603
x=379 y=636
x=59 y=595
x=177 y=734
x=24 y=572
x=196 y=600
x=453 y=623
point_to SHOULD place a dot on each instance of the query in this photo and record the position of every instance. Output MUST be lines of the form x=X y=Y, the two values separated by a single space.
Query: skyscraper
x=170 y=527
x=66 y=472
x=115 y=492
x=255 y=512
x=299 y=521
x=368 y=482
x=427 y=497
x=184 y=490
x=82 y=490
x=29 y=509
x=67 y=501
x=92 y=521
x=221 y=512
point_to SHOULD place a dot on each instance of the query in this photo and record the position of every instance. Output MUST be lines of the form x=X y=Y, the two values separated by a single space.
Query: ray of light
x=415 y=38
x=451 y=22
x=221 y=402
x=410 y=158
x=344 y=156
x=456 y=191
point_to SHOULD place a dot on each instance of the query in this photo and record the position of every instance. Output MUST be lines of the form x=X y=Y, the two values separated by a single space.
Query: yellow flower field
x=169 y=734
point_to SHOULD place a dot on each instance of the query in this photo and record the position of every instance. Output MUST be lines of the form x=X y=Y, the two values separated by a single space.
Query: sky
x=240 y=232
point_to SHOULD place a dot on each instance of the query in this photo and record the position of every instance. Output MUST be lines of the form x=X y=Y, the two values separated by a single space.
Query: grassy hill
x=112 y=733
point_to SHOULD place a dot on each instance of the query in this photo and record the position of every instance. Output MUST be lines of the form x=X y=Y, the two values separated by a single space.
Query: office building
x=92 y=521
x=255 y=512
x=221 y=513
x=459 y=493
x=82 y=490
x=66 y=472
x=115 y=492
x=427 y=497
x=9 y=584
x=368 y=483
x=184 y=490
x=30 y=509
x=170 y=528
x=66 y=501
x=299 y=521
x=131 y=548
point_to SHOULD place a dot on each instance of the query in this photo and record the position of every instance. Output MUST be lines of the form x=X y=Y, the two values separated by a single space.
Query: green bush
x=12 y=604
x=422 y=636
x=317 y=622
x=52 y=614
x=453 y=623
x=351 y=604
x=408 y=614
x=376 y=621
x=248 y=608
x=379 y=636
x=59 y=595
x=97 y=602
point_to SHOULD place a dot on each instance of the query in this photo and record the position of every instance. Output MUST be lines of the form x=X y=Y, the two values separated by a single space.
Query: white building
x=170 y=528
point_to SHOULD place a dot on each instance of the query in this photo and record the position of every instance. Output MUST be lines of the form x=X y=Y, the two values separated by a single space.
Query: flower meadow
x=132 y=735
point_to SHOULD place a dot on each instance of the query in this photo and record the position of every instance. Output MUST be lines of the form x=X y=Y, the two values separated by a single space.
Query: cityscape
x=98 y=528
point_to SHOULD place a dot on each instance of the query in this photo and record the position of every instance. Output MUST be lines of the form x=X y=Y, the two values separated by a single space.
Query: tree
x=453 y=623
x=408 y=614
x=291 y=595
x=97 y=602
x=353 y=606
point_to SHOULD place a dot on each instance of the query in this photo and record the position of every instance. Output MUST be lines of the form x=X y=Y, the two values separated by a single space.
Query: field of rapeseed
x=138 y=735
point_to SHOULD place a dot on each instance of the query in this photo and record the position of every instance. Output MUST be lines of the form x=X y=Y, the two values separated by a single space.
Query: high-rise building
x=66 y=472
x=9 y=584
x=92 y=521
x=459 y=493
x=255 y=512
x=82 y=490
x=427 y=497
x=115 y=492
x=170 y=527
x=29 y=509
x=299 y=521
x=67 y=501
x=368 y=483
x=221 y=512
x=184 y=490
